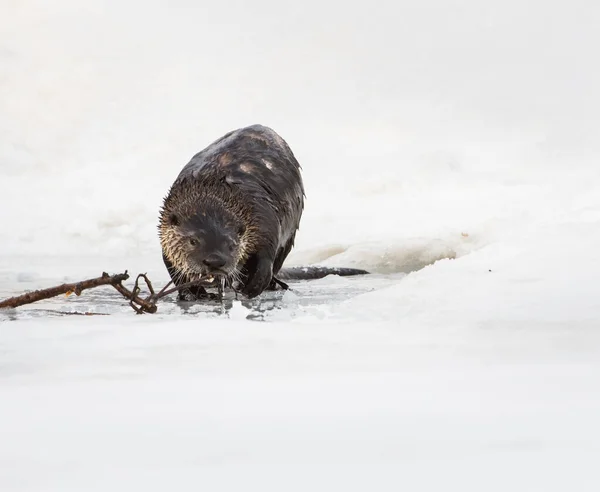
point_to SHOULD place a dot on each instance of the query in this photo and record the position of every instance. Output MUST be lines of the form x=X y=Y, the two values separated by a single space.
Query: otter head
x=207 y=242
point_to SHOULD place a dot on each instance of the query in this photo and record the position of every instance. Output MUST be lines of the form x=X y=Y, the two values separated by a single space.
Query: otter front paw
x=260 y=279
x=191 y=294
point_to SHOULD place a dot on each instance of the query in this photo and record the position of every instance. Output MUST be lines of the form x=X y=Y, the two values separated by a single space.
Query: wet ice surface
x=303 y=298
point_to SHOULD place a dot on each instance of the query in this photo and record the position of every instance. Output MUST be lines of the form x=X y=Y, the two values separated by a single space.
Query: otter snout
x=214 y=262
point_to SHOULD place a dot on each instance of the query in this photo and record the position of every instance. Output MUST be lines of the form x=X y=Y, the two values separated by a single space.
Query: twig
x=145 y=305
x=160 y=294
x=75 y=288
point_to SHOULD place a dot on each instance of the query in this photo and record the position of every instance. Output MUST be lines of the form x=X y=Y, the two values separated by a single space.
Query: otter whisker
x=234 y=277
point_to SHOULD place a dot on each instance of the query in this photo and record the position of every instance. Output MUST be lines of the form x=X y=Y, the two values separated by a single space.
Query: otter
x=232 y=214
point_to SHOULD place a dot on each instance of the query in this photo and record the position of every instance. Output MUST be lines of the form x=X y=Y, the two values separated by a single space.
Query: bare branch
x=75 y=288
x=140 y=305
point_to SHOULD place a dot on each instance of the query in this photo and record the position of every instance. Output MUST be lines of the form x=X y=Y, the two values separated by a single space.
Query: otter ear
x=173 y=220
x=241 y=230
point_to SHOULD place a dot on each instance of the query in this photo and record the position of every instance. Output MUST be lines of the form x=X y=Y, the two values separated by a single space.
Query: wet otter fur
x=232 y=214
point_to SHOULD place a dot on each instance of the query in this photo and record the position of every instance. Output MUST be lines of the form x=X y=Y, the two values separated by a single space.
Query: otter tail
x=314 y=272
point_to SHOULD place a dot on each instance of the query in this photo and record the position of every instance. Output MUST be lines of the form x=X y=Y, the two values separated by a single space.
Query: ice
x=450 y=148
x=238 y=311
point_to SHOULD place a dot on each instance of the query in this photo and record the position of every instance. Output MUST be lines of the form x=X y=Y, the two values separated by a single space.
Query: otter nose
x=214 y=261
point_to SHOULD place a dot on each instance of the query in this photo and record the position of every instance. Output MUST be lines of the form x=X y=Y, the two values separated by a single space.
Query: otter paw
x=192 y=294
x=259 y=280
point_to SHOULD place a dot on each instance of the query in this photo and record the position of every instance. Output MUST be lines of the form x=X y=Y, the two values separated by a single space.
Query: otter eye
x=173 y=220
x=193 y=242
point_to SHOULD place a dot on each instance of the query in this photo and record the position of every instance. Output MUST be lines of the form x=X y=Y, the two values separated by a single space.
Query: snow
x=450 y=148
x=225 y=406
